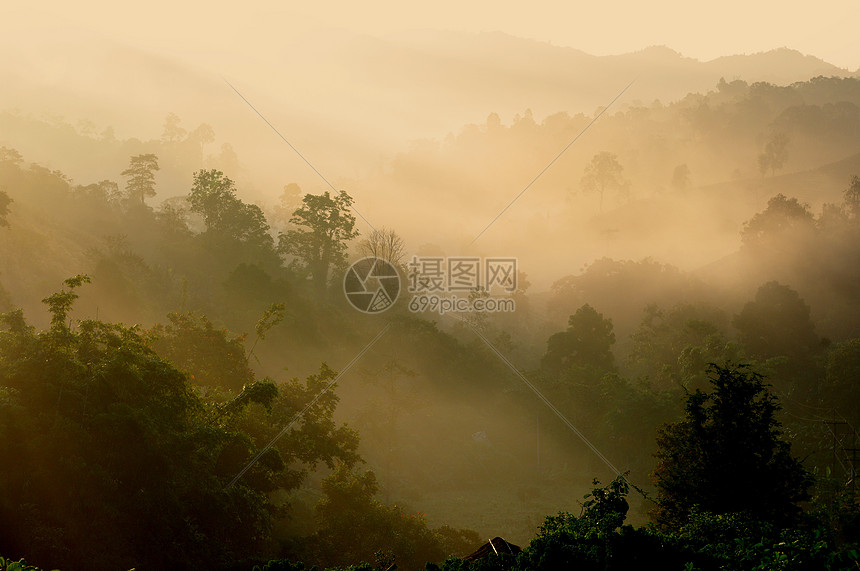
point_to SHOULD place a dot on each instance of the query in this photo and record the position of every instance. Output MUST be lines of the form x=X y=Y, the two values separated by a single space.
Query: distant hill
x=349 y=100
x=513 y=73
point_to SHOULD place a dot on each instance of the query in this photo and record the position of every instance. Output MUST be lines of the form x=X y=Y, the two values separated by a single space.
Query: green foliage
x=210 y=355
x=20 y=565
x=228 y=219
x=315 y=438
x=121 y=427
x=727 y=455
x=603 y=511
x=740 y=542
x=672 y=347
x=103 y=443
x=324 y=225
x=273 y=315
x=597 y=539
x=60 y=303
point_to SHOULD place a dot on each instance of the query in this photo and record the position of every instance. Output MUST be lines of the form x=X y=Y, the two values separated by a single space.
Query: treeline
x=114 y=458
x=737 y=131
x=130 y=436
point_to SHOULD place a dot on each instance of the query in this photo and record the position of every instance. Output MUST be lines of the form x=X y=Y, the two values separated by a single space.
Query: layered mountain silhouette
x=421 y=85
x=348 y=102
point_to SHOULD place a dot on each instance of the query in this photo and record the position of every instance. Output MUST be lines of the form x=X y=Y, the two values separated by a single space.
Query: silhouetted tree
x=104 y=443
x=213 y=196
x=776 y=322
x=355 y=526
x=727 y=455
x=604 y=173
x=104 y=192
x=141 y=178
x=586 y=343
x=212 y=358
x=775 y=154
x=172 y=133
x=385 y=244
x=202 y=136
x=324 y=226
x=782 y=216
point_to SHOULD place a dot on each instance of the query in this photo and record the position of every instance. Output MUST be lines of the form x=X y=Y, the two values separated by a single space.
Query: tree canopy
x=603 y=173
x=104 y=443
x=324 y=225
x=141 y=178
x=585 y=344
x=728 y=455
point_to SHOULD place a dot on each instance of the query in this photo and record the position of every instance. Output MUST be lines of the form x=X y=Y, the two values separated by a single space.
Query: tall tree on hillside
x=324 y=226
x=727 y=455
x=141 y=178
x=775 y=154
x=213 y=196
x=603 y=173
x=385 y=244
x=173 y=132
x=202 y=136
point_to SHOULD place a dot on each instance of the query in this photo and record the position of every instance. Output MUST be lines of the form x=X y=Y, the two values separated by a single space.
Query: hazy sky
x=825 y=28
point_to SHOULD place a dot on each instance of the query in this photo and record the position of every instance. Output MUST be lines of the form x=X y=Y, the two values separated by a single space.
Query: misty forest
x=185 y=385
